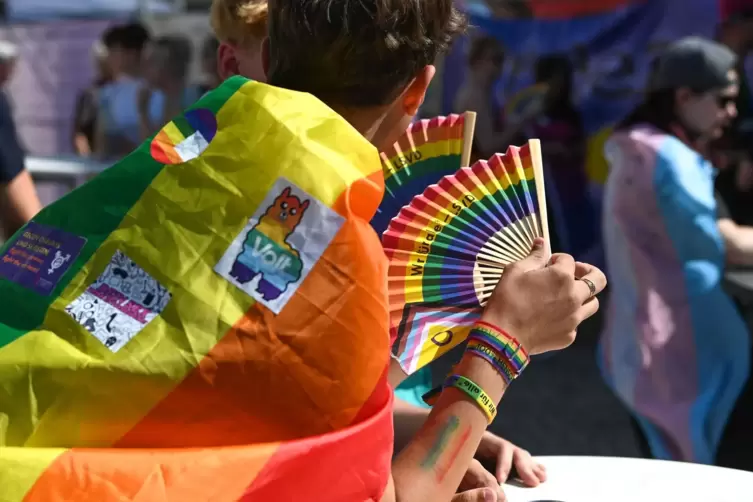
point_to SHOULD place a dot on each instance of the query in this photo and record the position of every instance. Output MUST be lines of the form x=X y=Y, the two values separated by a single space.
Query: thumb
x=478 y=495
x=538 y=257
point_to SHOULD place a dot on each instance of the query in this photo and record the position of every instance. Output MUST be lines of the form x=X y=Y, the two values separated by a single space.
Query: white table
x=605 y=479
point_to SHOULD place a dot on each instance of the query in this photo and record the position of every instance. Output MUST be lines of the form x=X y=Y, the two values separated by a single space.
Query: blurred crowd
x=141 y=83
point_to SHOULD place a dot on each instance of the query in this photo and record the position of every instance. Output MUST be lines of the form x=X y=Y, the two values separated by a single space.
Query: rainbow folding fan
x=429 y=150
x=449 y=247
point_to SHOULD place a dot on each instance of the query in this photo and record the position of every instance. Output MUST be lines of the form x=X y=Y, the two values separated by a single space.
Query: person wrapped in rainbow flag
x=241 y=26
x=207 y=319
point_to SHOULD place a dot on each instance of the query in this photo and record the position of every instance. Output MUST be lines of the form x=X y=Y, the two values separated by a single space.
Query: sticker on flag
x=120 y=303
x=279 y=245
x=184 y=138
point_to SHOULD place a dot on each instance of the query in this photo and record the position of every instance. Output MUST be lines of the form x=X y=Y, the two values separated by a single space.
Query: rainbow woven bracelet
x=505 y=344
x=498 y=361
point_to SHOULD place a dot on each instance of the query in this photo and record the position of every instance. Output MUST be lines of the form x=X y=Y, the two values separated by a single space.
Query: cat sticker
x=279 y=245
x=120 y=303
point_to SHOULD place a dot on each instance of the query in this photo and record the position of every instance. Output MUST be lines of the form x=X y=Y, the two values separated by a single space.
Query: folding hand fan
x=429 y=150
x=449 y=247
x=528 y=101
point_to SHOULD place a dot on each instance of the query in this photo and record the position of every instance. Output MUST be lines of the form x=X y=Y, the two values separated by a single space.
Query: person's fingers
x=593 y=274
x=475 y=477
x=479 y=495
x=540 y=471
x=588 y=309
x=582 y=269
x=536 y=259
x=563 y=262
x=590 y=285
x=524 y=465
x=504 y=464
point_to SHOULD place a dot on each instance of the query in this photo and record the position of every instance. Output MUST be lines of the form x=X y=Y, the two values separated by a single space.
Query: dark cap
x=693 y=62
x=735 y=11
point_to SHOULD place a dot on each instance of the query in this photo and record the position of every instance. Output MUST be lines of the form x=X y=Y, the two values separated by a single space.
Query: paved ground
x=560 y=406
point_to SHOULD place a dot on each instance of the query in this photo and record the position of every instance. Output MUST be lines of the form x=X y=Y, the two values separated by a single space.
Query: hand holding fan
x=449 y=247
x=429 y=150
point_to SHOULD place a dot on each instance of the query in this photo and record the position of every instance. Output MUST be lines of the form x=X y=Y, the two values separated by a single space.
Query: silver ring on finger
x=591 y=287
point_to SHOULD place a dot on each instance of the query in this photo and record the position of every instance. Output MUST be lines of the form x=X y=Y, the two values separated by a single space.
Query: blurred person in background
x=563 y=141
x=118 y=124
x=241 y=27
x=165 y=92
x=210 y=77
x=20 y=201
x=733 y=152
x=85 y=114
x=485 y=62
x=675 y=348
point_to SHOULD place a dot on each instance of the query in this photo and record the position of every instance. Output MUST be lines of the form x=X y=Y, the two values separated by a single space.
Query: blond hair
x=240 y=22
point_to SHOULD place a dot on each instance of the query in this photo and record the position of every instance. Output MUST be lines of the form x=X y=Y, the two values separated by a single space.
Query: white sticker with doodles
x=120 y=303
x=279 y=245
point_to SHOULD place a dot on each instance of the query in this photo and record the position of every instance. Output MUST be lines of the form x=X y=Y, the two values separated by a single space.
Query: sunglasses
x=725 y=101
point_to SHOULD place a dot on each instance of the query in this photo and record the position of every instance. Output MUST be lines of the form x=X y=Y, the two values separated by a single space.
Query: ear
x=227 y=62
x=415 y=93
x=304 y=205
x=286 y=192
x=265 y=56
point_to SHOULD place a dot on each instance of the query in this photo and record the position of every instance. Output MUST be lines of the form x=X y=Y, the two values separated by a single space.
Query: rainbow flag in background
x=206 y=320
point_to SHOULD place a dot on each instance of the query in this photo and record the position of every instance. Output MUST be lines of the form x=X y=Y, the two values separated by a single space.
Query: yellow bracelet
x=474 y=392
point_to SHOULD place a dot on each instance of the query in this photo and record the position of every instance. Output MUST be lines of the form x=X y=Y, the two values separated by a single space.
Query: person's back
x=118 y=123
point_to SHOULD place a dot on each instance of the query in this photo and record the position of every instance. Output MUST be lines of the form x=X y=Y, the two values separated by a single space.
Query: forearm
x=21 y=202
x=432 y=465
x=738 y=241
x=81 y=144
x=408 y=420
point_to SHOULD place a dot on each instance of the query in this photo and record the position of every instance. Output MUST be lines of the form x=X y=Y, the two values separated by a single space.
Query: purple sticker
x=39 y=257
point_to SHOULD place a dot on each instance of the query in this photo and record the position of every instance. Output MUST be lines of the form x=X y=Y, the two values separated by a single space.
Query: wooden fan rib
x=502 y=240
x=534 y=147
x=502 y=253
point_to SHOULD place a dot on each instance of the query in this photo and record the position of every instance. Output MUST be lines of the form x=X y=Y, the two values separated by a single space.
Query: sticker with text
x=39 y=257
x=120 y=303
x=279 y=245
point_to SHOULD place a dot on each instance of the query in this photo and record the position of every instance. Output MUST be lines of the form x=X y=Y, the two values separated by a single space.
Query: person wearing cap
x=675 y=349
x=18 y=196
x=733 y=152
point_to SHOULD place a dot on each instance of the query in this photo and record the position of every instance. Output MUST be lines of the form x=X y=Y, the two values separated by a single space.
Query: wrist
x=483 y=374
x=514 y=331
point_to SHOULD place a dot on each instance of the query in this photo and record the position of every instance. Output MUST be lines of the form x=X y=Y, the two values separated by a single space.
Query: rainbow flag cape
x=206 y=320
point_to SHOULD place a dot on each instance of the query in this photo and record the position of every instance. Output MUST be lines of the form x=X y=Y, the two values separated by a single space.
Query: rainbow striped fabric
x=206 y=320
